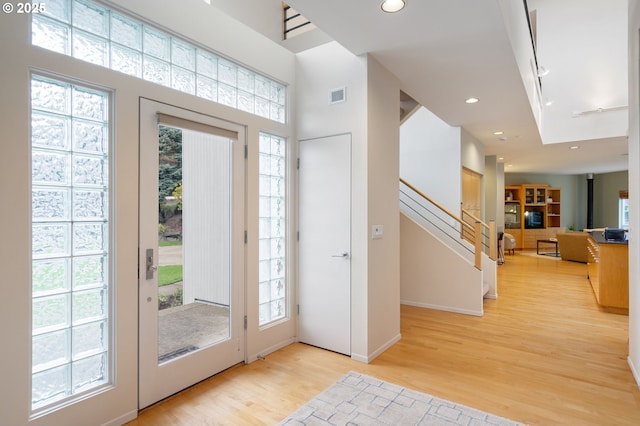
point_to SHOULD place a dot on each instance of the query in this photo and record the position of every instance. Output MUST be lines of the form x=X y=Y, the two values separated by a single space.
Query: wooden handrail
x=475 y=219
x=453 y=216
x=478 y=246
x=493 y=241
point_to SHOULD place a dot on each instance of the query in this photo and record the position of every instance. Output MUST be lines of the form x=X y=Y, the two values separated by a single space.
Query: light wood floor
x=543 y=354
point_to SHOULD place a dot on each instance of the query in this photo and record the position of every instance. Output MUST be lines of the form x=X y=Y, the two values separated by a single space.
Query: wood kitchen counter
x=608 y=270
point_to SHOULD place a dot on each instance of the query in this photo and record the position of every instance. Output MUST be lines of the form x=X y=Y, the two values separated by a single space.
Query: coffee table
x=548 y=241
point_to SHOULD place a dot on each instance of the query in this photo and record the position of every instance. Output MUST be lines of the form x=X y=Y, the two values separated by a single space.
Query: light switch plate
x=377 y=231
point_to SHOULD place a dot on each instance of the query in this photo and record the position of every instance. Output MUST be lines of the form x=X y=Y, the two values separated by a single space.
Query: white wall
x=371 y=94
x=494 y=191
x=559 y=25
x=383 y=108
x=427 y=281
x=203 y=25
x=634 y=189
x=515 y=21
x=318 y=71
x=430 y=158
x=594 y=62
x=471 y=152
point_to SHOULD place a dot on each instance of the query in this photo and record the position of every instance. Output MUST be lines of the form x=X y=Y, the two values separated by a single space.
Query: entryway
x=191 y=277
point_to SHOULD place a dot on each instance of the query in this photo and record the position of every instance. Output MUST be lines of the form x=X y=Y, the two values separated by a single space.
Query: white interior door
x=325 y=243
x=191 y=282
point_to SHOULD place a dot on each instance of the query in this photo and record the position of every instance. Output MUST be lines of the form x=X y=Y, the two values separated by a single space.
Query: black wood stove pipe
x=589 y=200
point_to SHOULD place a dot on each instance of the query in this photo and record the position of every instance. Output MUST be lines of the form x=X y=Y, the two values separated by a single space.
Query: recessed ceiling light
x=392 y=6
x=574 y=147
x=509 y=165
x=472 y=100
x=500 y=158
x=498 y=133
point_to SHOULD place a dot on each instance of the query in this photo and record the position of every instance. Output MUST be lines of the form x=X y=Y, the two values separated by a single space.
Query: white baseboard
x=443 y=308
x=360 y=358
x=368 y=358
x=634 y=371
x=125 y=418
x=270 y=349
x=491 y=296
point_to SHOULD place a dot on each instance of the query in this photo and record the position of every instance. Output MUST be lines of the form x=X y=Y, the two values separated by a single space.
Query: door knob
x=344 y=255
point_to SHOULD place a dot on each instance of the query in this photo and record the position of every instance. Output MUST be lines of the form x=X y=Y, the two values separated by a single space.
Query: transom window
x=94 y=33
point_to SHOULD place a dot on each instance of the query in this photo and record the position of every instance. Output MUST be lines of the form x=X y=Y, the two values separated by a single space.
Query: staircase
x=447 y=262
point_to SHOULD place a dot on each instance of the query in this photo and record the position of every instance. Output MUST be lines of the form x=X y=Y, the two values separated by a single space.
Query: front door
x=325 y=243
x=191 y=273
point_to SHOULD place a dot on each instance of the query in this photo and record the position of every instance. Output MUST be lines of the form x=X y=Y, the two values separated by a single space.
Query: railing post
x=493 y=246
x=478 y=244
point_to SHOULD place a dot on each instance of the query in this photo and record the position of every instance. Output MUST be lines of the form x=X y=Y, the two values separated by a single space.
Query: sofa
x=573 y=246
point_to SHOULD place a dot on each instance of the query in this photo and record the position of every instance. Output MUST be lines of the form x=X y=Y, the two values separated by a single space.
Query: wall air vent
x=338 y=95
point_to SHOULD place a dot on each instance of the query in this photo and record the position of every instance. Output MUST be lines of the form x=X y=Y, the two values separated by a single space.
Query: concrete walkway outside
x=182 y=329
x=170 y=255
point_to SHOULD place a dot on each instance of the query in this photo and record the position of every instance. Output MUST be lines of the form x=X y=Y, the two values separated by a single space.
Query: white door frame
x=159 y=381
x=113 y=403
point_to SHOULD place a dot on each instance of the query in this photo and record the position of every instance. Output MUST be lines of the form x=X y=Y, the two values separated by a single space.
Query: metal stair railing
x=488 y=234
x=292 y=22
x=480 y=236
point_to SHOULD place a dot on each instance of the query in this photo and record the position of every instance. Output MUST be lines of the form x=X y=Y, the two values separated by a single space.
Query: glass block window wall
x=70 y=233
x=272 y=235
x=94 y=33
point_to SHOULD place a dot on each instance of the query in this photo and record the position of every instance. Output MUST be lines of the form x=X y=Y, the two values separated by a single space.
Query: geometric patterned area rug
x=357 y=399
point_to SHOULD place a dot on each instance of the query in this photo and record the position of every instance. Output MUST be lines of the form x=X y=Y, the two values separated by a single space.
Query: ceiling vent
x=337 y=95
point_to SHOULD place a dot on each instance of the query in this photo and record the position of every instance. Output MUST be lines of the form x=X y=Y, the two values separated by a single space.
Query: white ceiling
x=444 y=51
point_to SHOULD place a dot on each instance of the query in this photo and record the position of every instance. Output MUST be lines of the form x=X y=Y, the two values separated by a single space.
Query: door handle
x=344 y=255
x=150 y=267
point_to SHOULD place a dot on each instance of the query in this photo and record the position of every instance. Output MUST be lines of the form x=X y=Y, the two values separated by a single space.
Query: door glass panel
x=194 y=260
x=69 y=239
